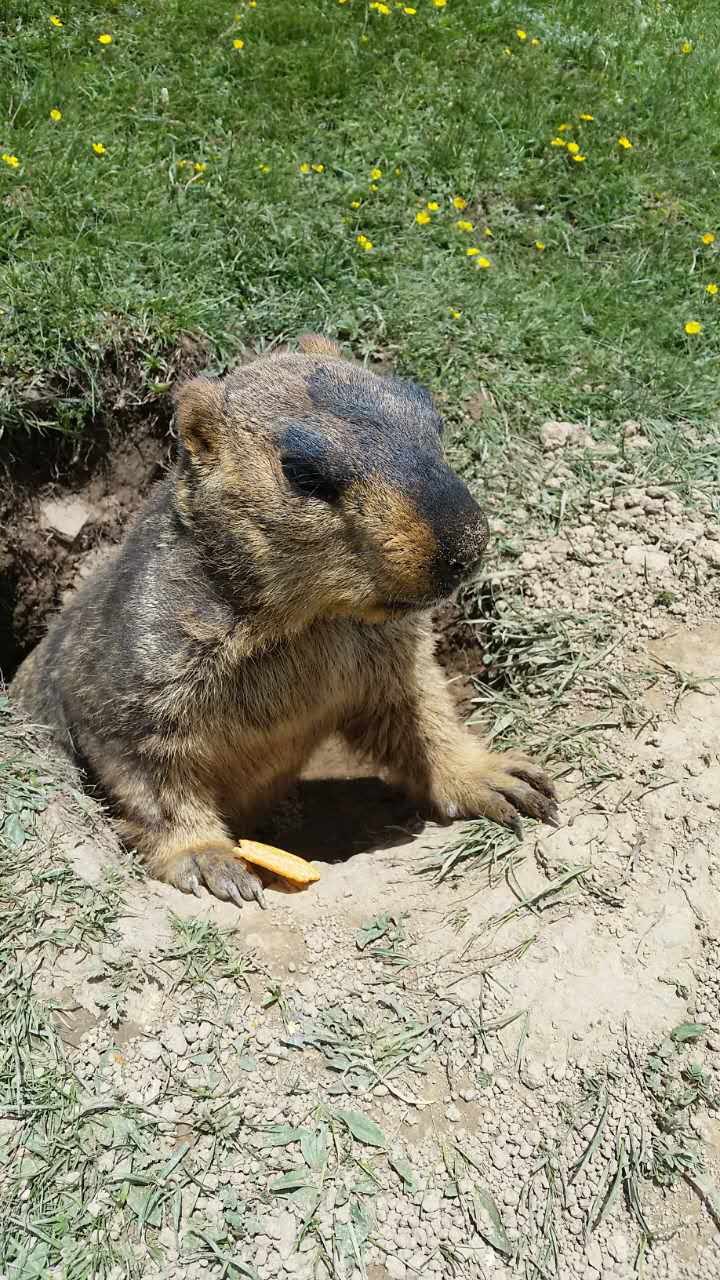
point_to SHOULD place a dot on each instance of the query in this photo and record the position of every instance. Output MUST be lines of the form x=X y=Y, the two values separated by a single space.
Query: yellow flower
x=455 y=314
x=579 y=159
x=535 y=41
x=686 y=46
x=558 y=142
x=521 y=35
x=439 y=4
x=364 y=243
x=423 y=217
x=539 y=245
x=55 y=114
x=408 y=9
x=459 y=203
x=264 y=168
x=318 y=168
x=692 y=326
x=342 y=1
x=55 y=21
x=573 y=148
x=487 y=232
x=585 y=115
x=464 y=225
x=99 y=148
x=305 y=167
x=354 y=204
x=563 y=128
x=709 y=237
x=380 y=8
x=200 y=166
x=625 y=143
x=433 y=206
x=484 y=263
x=711 y=289
x=105 y=38
x=238 y=44
x=364 y=39
x=375 y=174
x=11 y=161
x=373 y=187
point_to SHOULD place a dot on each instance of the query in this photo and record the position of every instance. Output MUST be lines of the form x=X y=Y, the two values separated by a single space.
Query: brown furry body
x=275 y=591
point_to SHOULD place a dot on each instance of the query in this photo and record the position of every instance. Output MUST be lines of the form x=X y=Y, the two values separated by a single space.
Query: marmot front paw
x=222 y=872
x=504 y=786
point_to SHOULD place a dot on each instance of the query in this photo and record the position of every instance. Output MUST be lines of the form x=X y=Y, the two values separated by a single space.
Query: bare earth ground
x=455 y=1055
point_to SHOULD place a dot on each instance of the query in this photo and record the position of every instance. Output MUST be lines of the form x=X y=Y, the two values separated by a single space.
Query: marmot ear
x=198 y=406
x=316 y=344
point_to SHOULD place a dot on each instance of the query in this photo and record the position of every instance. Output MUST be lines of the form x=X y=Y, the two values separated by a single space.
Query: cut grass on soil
x=243 y=172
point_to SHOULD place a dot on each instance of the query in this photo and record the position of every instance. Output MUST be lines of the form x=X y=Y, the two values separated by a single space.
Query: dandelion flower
x=200 y=166
x=56 y=114
x=585 y=115
x=11 y=161
x=625 y=143
x=487 y=232
x=380 y=8
x=711 y=289
x=439 y=4
x=455 y=314
x=408 y=9
x=423 y=217
x=692 y=326
x=354 y=204
x=373 y=187
x=558 y=142
x=375 y=174
x=433 y=206
x=573 y=148
x=535 y=41
x=708 y=238
x=264 y=168
x=521 y=35
x=318 y=168
x=364 y=243
x=105 y=38
x=342 y=1
x=579 y=159
x=55 y=21
x=305 y=167
x=539 y=245
x=464 y=225
x=459 y=203
x=238 y=44
x=686 y=46
x=563 y=128
x=99 y=148
x=484 y=263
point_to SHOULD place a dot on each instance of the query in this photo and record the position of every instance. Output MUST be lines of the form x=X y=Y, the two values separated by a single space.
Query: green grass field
x=157 y=178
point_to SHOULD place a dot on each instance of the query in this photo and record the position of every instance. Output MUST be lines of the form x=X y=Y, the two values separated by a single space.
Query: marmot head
x=316 y=488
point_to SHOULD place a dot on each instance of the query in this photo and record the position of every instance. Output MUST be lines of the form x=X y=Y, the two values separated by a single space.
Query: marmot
x=276 y=589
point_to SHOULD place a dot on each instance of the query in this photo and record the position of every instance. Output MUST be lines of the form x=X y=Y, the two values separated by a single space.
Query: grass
x=197 y=218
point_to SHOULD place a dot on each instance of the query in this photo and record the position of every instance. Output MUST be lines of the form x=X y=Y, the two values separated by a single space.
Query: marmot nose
x=457 y=570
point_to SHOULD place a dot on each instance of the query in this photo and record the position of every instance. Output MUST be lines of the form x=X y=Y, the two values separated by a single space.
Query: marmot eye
x=307 y=481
